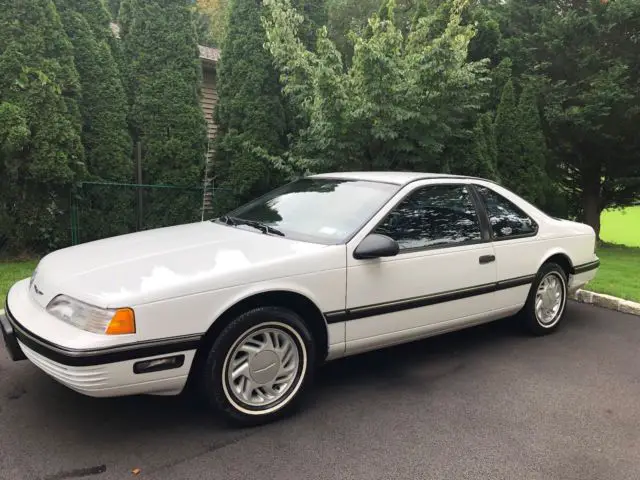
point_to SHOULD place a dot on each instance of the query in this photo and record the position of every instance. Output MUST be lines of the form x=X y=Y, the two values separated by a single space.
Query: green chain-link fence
x=105 y=209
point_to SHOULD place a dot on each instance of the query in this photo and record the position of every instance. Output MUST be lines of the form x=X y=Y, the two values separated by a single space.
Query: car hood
x=168 y=262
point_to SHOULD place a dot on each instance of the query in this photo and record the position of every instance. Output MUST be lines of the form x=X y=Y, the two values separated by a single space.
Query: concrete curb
x=607 y=301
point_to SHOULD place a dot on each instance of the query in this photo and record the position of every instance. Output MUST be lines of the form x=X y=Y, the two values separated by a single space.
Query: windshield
x=320 y=210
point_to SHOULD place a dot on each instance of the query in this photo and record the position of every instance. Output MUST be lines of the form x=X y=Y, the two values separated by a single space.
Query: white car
x=249 y=304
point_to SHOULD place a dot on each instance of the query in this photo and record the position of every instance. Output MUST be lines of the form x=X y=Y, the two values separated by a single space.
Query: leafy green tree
x=345 y=16
x=251 y=115
x=315 y=16
x=585 y=56
x=486 y=42
x=215 y=13
x=398 y=104
x=164 y=73
x=42 y=153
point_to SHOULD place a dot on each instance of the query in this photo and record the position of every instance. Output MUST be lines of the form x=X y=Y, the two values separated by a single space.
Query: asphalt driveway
x=479 y=404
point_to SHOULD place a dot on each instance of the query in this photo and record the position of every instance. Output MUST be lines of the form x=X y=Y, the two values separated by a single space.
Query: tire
x=275 y=353
x=545 y=320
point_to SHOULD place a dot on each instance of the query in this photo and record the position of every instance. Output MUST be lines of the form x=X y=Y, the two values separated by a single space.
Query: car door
x=444 y=272
x=517 y=249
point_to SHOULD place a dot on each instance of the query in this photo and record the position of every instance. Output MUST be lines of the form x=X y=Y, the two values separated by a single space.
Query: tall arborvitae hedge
x=507 y=138
x=96 y=15
x=533 y=148
x=43 y=153
x=103 y=211
x=164 y=77
x=484 y=155
x=521 y=144
x=250 y=114
x=99 y=19
x=103 y=105
x=114 y=7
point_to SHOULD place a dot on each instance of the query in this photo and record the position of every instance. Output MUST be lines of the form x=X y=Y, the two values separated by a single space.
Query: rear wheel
x=544 y=309
x=259 y=366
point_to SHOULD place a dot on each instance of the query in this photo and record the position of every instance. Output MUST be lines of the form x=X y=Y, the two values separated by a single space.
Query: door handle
x=487 y=259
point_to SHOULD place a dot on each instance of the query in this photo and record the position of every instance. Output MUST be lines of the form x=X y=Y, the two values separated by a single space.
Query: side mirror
x=376 y=246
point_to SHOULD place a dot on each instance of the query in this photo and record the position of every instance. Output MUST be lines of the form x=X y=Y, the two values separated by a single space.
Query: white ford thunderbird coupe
x=248 y=305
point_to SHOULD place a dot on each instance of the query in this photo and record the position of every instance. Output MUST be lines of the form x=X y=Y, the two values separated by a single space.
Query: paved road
x=481 y=404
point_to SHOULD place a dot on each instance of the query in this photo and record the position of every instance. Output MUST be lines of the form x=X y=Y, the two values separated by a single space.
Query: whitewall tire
x=259 y=366
x=547 y=300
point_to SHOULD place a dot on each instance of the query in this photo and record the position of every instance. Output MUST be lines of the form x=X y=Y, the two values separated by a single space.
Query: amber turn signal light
x=123 y=322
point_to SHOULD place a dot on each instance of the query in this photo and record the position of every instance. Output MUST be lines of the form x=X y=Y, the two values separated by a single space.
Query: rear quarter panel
x=521 y=257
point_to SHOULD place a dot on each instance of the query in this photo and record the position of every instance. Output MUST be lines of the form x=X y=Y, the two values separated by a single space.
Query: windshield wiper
x=260 y=226
x=227 y=219
x=264 y=228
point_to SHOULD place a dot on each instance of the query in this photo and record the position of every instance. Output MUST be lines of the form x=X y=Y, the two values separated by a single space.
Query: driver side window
x=431 y=217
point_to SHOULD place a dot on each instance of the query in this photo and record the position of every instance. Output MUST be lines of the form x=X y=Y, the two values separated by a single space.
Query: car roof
x=399 y=178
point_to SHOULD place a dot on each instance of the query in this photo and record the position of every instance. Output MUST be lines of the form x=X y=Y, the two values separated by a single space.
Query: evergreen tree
x=99 y=18
x=521 y=144
x=507 y=139
x=103 y=106
x=125 y=16
x=250 y=114
x=533 y=149
x=96 y=15
x=42 y=152
x=585 y=58
x=483 y=162
x=114 y=8
x=105 y=137
x=163 y=81
x=164 y=77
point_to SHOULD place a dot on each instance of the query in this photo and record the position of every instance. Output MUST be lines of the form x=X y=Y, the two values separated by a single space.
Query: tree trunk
x=592 y=198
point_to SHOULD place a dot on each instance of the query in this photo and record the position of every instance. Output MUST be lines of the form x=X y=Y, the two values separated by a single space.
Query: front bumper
x=10 y=340
x=103 y=372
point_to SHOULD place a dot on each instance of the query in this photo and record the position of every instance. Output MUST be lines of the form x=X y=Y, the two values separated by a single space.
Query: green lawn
x=621 y=226
x=619 y=273
x=11 y=273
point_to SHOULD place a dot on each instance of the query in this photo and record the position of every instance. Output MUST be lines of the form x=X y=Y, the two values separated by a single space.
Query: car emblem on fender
x=37 y=290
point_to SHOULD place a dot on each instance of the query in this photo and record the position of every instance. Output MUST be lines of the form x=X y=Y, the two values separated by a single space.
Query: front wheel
x=259 y=366
x=547 y=300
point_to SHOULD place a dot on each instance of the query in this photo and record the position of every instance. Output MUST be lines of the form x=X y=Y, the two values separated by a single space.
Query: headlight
x=92 y=319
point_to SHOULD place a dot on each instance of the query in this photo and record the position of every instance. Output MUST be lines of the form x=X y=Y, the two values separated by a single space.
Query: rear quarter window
x=505 y=218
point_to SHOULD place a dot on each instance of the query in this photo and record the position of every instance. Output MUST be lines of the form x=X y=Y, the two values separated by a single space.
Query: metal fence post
x=139 y=182
x=74 y=215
